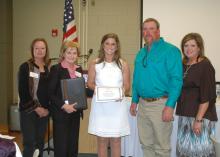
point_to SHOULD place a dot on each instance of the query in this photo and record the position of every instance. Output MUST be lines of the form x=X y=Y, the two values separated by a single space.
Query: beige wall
x=33 y=18
x=118 y=16
x=5 y=59
x=177 y=18
x=104 y=16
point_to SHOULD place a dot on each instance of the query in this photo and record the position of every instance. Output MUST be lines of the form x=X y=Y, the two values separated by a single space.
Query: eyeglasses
x=144 y=61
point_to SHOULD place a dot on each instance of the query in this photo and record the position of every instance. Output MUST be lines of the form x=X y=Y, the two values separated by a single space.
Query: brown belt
x=153 y=99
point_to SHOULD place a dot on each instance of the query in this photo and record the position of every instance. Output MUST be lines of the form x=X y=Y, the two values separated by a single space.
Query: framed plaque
x=106 y=94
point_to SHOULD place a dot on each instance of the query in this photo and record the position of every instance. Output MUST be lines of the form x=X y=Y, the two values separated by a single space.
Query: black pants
x=33 y=131
x=66 y=136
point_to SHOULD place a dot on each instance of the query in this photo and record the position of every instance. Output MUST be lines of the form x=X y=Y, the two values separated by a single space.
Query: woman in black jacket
x=32 y=89
x=66 y=119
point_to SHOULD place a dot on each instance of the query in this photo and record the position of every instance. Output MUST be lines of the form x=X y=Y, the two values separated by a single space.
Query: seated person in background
x=7 y=148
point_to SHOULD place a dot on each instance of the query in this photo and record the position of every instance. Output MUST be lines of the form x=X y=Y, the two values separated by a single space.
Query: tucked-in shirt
x=158 y=73
x=198 y=88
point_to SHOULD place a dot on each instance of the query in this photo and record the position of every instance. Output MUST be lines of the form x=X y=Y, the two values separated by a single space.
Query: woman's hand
x=197 y=124
x=46 y=112
x=69 y=108
x=41 y=112
x=197 y=127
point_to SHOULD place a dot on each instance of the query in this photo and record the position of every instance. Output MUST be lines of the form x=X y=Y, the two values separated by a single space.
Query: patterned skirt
x=191 y=145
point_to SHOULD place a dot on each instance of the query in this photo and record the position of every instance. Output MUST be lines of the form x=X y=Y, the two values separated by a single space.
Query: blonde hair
x=65 y=45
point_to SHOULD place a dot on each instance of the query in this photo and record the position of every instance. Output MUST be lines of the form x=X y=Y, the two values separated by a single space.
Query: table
x=130 y=145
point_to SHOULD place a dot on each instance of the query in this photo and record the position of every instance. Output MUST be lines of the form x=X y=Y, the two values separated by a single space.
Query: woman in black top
x=66 y=119
x=196 y=105
x=32 y=89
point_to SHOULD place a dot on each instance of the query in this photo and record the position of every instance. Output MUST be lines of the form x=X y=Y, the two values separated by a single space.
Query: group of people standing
x=161 y=80
x=40 y=93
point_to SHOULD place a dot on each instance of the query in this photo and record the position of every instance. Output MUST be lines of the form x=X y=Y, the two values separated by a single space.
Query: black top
x=198 y=87
x=58 y=73
x=25 y=88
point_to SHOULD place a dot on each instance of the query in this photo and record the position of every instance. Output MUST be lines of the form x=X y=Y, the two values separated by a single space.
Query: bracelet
x=199 y=121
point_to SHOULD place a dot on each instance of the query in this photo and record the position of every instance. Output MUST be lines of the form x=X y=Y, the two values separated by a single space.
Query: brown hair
x=65 y=45
x=46 y=57
x=152 y=20
x=199 y=41
x=117 y=55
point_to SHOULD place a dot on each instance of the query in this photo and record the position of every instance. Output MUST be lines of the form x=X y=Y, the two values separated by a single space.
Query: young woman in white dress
x=109 y=120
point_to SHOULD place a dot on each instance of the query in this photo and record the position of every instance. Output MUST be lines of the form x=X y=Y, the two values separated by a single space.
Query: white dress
x=108 y=119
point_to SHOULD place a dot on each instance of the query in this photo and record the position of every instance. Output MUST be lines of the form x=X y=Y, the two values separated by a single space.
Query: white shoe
x=36 y=153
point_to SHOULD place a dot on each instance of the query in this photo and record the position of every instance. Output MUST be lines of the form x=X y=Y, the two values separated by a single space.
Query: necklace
x=186 y=71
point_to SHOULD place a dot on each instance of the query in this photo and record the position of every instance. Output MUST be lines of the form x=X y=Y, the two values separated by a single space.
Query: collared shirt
x=158 y=73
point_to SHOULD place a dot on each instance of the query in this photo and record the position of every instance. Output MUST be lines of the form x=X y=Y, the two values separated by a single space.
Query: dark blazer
x=57 y=73
x=25 y=86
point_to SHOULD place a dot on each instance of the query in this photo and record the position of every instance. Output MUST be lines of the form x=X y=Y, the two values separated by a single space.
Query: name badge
x=78 y=74
x=66 y=102
x=34 y=75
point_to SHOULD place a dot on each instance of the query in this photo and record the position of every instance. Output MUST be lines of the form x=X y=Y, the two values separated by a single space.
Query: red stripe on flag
x=69 y=32
x=69 y=21
x=75 y=40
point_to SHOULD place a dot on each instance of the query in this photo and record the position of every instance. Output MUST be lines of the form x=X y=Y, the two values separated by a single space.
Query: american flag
x=69 y=25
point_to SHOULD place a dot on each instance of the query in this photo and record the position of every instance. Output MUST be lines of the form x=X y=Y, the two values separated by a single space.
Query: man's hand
x=133 y=109
x=167 y=114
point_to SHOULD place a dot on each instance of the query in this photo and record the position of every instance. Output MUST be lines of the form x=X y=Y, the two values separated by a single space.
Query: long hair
x=117 y=54
x=66 y=45
x=199 y=41
x=46 y=57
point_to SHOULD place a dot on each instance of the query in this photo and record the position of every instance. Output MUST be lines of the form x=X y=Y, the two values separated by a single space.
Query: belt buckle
x=151 y=99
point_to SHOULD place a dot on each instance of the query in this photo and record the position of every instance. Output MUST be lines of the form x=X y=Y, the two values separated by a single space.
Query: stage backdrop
x=178 y=17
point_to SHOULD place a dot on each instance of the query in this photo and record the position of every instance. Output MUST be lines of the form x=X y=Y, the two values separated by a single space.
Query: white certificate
x=106 y=94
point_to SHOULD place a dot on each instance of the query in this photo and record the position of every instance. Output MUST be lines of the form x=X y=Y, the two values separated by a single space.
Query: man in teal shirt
x=157 y=80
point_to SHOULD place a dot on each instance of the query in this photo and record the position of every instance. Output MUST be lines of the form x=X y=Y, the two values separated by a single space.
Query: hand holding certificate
x=106 y=94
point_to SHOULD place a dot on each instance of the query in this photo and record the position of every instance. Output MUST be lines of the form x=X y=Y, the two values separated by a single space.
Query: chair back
x=36 y=153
